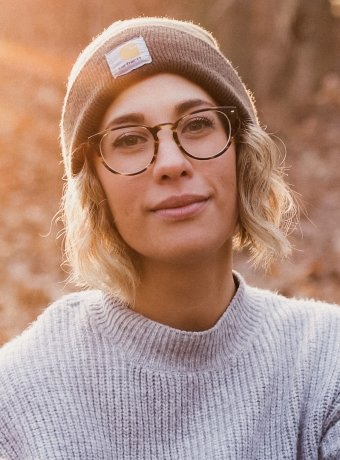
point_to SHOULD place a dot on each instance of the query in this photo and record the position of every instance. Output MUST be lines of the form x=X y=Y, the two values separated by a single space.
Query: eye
x=129 y=140
x=197 y=125
x=126 y=140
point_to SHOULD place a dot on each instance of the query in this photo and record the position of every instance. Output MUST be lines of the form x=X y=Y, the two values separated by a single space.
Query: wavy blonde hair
x=100 y=259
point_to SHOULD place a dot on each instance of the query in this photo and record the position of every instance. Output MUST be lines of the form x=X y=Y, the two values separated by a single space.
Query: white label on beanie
x=128 y=56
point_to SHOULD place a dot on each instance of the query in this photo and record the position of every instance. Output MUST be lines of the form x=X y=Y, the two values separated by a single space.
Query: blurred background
x=288 y=53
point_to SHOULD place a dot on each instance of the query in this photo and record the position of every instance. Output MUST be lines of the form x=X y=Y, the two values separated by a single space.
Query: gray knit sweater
x=91 y=379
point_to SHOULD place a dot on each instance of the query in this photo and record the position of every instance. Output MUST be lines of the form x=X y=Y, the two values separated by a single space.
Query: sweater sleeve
x=330 y=444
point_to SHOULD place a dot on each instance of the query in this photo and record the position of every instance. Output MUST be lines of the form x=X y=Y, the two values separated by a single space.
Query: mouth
x=180 y=207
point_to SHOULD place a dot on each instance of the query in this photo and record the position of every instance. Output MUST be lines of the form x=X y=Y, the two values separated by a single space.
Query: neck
x=189 y=297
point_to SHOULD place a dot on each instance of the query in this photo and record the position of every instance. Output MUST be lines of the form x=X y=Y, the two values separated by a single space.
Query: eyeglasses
x=203 y=134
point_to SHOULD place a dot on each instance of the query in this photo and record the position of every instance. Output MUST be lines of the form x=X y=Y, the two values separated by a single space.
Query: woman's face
x=180 y=209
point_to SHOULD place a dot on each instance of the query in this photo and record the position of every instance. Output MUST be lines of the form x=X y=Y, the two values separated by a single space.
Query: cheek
x=223 y=173
x=227 y=190
x=120 y=203
x=122 y=195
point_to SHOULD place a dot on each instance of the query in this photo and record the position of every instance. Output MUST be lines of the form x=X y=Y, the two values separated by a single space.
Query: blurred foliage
x=287 y=52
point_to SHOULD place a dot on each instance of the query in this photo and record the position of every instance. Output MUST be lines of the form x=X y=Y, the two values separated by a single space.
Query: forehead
x=163 y=94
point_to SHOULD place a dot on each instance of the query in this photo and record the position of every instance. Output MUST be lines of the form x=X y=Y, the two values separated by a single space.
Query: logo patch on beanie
x=127 y=57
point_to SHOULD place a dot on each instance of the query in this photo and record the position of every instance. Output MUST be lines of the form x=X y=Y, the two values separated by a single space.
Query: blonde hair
x=267 y=206
x=100 y=259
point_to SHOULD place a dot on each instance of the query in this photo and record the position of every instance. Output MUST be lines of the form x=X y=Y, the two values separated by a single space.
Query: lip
x=180 y=206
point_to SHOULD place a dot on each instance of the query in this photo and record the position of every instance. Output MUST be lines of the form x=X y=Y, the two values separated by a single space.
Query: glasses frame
x=230 y=113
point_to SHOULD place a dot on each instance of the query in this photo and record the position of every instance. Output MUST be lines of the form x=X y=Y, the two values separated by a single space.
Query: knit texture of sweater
x=92 y=379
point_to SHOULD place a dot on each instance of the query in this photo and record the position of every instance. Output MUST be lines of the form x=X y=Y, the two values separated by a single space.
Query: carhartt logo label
x=129 y=51
x=127 y=57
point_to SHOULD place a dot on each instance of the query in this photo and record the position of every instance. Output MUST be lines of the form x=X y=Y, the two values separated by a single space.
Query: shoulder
x=271 y=302
x=57 y=335
x=302 y=337
x=68 y=314
x=294 y=319
x=306 y=325
x=295 y=310
x=34 y=364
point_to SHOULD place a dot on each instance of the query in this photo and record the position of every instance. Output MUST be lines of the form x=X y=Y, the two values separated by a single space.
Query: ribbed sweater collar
x=157 y=345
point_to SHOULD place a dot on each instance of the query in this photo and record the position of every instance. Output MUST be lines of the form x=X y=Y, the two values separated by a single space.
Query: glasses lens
x=127 y=150
x=204 y=134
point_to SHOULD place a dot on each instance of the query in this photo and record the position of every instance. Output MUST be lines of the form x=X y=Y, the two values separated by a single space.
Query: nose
x=171 y=163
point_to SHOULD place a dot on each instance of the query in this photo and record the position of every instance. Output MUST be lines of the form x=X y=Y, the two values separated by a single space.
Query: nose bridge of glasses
x=155 y=129
x=164 y=127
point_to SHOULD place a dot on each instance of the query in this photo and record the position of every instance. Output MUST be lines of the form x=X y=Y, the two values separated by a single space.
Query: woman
x=171 y=355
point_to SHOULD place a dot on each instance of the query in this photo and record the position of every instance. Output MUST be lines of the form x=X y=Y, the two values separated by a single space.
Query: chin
x=187 y=253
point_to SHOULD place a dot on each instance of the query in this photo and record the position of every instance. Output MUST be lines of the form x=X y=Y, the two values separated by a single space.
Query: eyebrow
x=139 y=118
x=182 y=107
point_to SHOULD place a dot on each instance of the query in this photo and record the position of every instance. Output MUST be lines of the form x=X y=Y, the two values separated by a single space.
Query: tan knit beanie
x=131 y=50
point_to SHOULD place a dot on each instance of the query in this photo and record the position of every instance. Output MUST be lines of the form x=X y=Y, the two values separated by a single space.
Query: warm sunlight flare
x=298 y=63
x=335 y=7
x=169 y=230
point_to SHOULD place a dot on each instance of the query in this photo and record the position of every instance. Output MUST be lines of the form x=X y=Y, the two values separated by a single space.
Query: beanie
x=131 y=50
